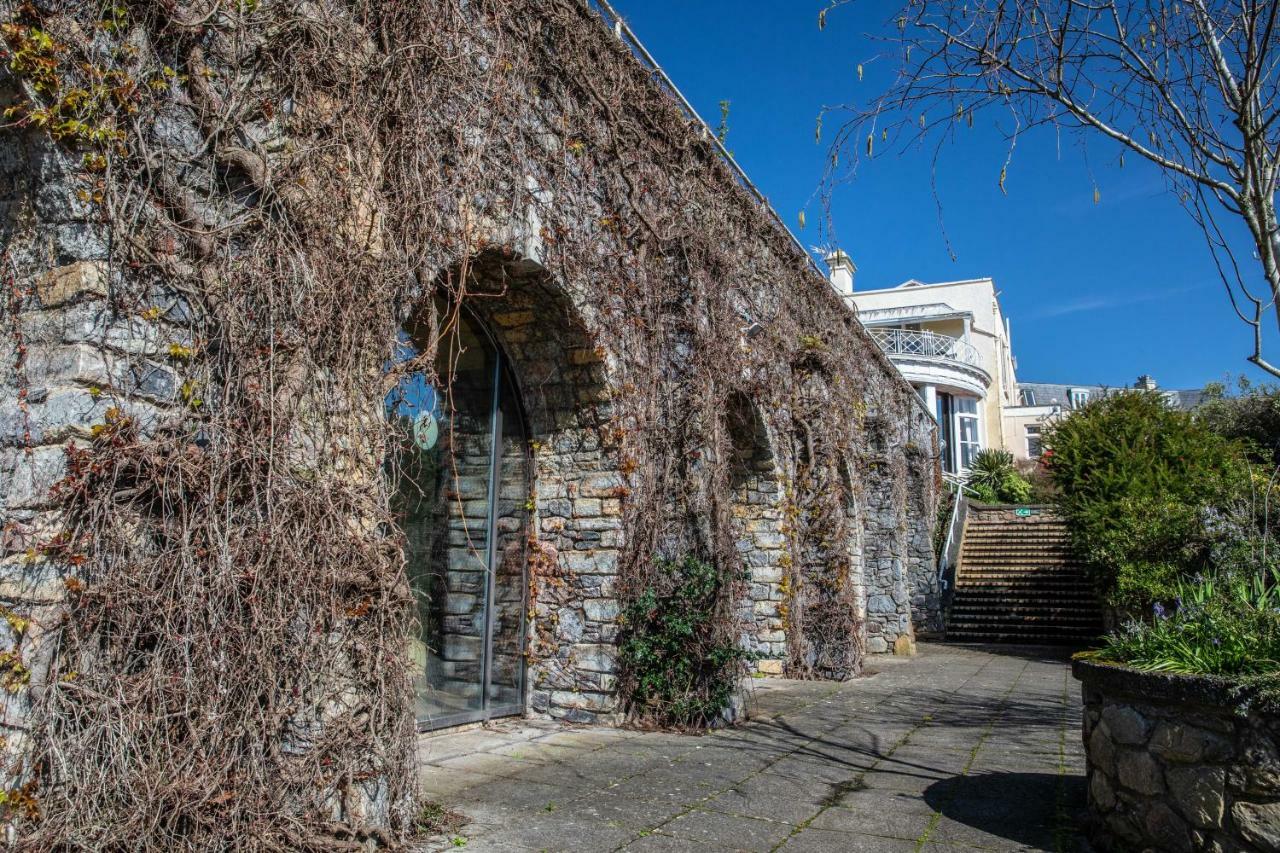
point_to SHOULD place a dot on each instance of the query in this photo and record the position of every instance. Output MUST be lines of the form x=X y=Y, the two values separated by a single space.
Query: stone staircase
x=1017 y=581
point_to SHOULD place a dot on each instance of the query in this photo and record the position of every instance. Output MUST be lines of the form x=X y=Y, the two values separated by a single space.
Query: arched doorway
x=463 y=479
x=756 y=496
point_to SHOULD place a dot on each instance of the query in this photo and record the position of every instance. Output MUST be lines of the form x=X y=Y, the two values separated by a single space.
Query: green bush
x=1148 y=491
x=994 y=478
x=682 y=662
x=1252 y=416
x=1226 y=626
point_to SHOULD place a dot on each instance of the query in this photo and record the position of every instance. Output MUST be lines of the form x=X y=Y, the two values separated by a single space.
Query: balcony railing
x=910 y=342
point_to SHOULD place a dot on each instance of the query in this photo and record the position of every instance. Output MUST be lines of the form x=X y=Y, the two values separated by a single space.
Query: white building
x=951 y=341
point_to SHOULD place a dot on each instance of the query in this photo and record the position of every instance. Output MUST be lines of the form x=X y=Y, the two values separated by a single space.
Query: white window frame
x=960 y=416
x=1034 y=432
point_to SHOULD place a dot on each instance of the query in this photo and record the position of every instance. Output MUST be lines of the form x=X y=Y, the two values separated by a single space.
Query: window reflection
x=447 y=466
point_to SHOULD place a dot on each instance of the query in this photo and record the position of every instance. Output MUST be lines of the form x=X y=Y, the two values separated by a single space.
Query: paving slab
x=959 y=748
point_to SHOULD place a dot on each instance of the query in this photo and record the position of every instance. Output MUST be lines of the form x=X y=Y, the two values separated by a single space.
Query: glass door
x=462 y=480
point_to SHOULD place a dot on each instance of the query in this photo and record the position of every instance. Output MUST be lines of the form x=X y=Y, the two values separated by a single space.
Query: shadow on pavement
x=1037 y=810
x=1038 y=654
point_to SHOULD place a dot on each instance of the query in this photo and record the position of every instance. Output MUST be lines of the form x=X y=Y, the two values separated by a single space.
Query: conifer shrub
x=1153 y=495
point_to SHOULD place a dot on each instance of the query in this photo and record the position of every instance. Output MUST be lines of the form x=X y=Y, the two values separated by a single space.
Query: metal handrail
x=625 y=34
x=926 y=345
x=959 y=511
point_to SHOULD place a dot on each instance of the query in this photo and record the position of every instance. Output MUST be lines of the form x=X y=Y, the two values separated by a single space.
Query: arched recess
x=884 y=539
x=461 y=470
x=562 y=529
x=923 y=494
x=756 y=507
x=826 y=636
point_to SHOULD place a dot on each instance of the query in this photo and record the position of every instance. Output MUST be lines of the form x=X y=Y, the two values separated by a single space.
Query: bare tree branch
x=1192 y=86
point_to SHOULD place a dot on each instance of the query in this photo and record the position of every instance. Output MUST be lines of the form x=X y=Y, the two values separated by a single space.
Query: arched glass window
x=462 y=477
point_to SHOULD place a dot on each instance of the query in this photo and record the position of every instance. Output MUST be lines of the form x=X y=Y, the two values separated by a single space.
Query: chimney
x=842 y=272
x=1146 y=383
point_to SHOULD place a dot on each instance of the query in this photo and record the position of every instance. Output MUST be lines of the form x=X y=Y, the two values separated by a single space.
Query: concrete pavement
x=960 y=748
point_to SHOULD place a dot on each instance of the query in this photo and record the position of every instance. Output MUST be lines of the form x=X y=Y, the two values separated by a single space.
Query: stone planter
x=1178 y=763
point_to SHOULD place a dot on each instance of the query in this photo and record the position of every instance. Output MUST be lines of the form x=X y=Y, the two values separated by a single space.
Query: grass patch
x=438 y=819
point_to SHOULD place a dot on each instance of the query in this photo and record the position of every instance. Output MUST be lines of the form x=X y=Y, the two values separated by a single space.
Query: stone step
x=1011 y=544
x=1065 y=638
x=990 y=533
x=1015 y=560
x=1013 y=526
x=1050 y=573
x=1020 y=617
x=989 y=600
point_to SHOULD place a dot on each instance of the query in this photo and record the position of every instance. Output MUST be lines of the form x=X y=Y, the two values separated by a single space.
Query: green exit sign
x=1022 y=512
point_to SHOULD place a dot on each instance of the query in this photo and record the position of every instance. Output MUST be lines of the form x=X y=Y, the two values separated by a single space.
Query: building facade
x=953 y=343
x=1039 y=403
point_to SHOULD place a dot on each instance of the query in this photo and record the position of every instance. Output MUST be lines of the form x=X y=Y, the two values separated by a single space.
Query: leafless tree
x=1189 y=85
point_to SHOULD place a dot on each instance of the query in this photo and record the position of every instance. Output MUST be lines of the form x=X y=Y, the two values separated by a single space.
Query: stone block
x=1101 y=751
x=1258 y=823
x=596 y=658
x=588 y=562
x=1167 y=829
x=28 y=476
x=82 y=241
x=881 y=604
x=594 y=702
x=61 y=285
x=1198 y=793
x=1101 y=793
x=77 y=363
x=600 y=610
x=1139 y=773
x=769 y=666
x=1184 y=743
x=601 y=486
x=1126 y=724
x=586 y=507
x=1259 y=769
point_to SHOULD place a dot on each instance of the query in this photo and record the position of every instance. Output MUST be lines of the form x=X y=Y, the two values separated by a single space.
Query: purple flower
x=1159 y=611
x=1216 y=641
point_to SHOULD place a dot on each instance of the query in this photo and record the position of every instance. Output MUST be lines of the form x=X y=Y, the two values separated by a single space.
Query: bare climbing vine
x=228 y=670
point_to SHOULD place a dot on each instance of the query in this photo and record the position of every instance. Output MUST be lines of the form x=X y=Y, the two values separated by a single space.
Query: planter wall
x=1178 y=763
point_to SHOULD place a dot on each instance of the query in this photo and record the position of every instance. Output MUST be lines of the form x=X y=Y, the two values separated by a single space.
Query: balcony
x=932 y=359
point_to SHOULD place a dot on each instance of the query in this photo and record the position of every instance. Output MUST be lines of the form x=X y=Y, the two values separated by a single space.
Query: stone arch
x=885 y=538
x=575 y=501
x=923 y=496
x=756 y=510
x=826 y=638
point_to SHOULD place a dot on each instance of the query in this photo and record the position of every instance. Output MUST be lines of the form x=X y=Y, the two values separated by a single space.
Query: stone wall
x=1178 y=764
x=923 y=498
x=73 y=353
x=70 y=360
x=886 y=521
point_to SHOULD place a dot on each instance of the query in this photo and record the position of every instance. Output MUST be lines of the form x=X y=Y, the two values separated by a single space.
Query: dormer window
x=1077 y=397
x=1028 y=396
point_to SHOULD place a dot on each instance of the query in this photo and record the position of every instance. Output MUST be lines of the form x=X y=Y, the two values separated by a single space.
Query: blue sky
x=1096 y=293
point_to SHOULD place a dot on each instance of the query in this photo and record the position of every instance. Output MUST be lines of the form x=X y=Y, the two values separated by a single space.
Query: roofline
x=1108 y=387
x=922 y=286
